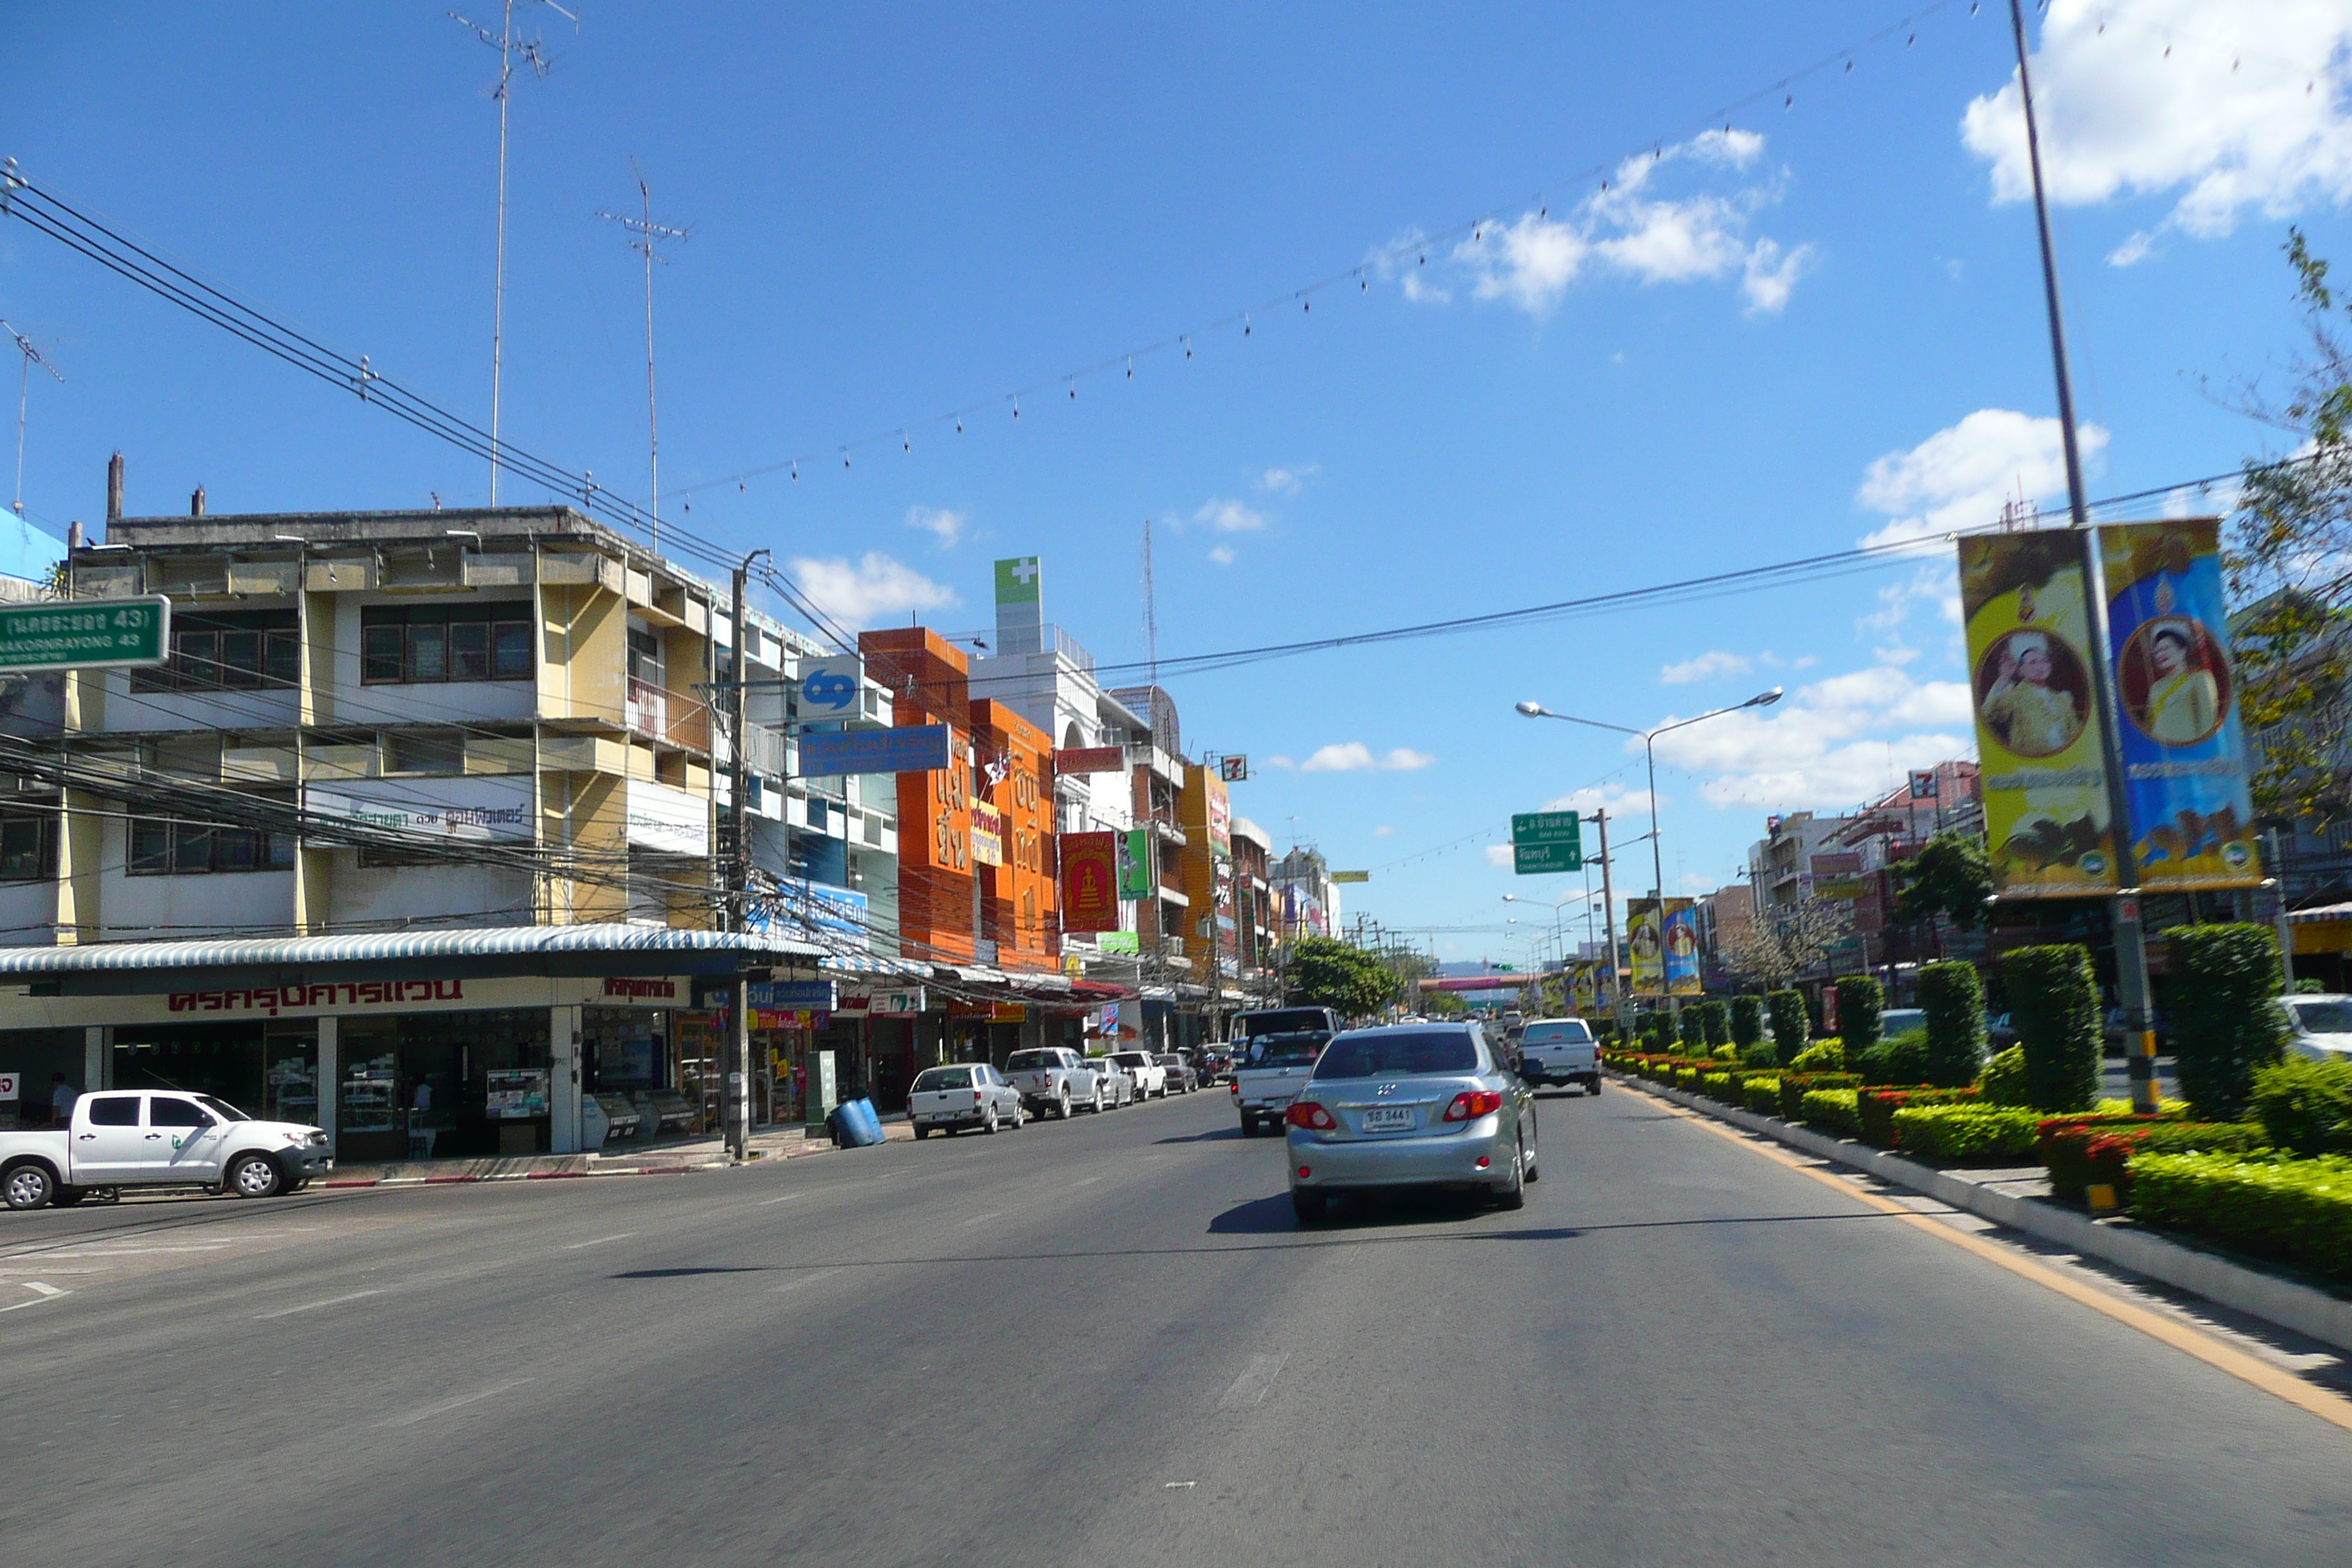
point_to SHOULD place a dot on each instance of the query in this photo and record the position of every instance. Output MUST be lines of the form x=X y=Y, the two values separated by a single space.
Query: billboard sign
x=1089 y=760
x=2030 y=674
x=1351 y=876
x=1233 y=770
x=1090 y=882
x=1220 y=811
x=1134 y=863
x=829 y=687
x=987 y=835
x=1017 y=580
x=1682 y=948
x=85 y=634
x=1646 y=945
x=915 y=749
x=2192 y=810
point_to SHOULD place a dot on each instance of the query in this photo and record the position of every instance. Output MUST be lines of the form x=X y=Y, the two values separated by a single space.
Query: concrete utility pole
x=735 y=1098
x=2131 y=947
x=1618 y=990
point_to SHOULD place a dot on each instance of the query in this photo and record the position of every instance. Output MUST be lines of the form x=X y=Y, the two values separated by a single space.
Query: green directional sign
x=85 y=634
x=1546 y=827
x=1529 y=860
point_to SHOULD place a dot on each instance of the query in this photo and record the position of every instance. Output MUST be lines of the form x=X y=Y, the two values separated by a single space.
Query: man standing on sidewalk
x=62 y=1096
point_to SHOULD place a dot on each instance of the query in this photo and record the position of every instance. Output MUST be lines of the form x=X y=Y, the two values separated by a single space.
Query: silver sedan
x=1413 y=1105
x=1117 y=1085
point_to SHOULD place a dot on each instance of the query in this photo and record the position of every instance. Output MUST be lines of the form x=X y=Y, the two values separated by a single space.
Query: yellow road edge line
x=2330 y=1407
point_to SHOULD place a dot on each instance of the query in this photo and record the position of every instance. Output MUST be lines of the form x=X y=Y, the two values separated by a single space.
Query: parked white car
x=1053 y=1079
x=1117 y=1083
x=2323 y=1026
x=971 y=1094
x=124 y=1138
x=1150 y=1078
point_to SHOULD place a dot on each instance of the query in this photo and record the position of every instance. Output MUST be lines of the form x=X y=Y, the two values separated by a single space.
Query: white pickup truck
x=1150 y=1078
x=1056 y=1079
x=1561 y=1051
x=124 y=1138
x=1269 y=1073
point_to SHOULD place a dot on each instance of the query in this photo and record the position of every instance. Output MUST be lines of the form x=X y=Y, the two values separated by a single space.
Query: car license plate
x=1388 y=1118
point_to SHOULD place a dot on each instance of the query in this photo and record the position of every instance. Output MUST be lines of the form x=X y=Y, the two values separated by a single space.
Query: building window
x=425 y=751
x=29 y=849
x=162 y=847
x=421 y=644
x=230 y=651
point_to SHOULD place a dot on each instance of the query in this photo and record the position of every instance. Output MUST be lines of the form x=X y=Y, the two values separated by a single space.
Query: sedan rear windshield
x=943 y=1078
x=1410 y=1053
x=1285 y=1050
x=1030 y=1061
x=2324 y=1017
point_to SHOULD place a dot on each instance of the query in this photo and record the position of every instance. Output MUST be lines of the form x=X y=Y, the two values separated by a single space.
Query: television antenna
x=31 y=356
x=540 y=62
x=646 y=238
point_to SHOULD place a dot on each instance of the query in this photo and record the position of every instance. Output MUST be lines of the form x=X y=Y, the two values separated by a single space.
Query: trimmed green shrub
x=1691 y=1028
x=1715 y=1018
x=2226 y=1021
x=1833 y=1111
x=1790 y=1027
x=1747 y=1021
x=1758 y=1054
x=2078 y=1151
x=1716 y=1085
x=2297 y=1211
x=2053 y=999
x=1861 y=1002
x=1761 y=1094
x=2306 y=1106
x=1827 y=1057
x=2002 y=1082
x=1723 y=1054
x=1877 y=1106
x=1953 y=997
x=1795 y=1086
x=1900 y=1060
x=1686 y=1078
x=1966 y=1134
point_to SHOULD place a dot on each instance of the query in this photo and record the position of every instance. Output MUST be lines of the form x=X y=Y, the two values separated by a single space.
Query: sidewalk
x=669 y=1157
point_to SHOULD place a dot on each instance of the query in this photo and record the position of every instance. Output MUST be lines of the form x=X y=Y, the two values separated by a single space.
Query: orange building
x=938 y=907
x=1014 y=773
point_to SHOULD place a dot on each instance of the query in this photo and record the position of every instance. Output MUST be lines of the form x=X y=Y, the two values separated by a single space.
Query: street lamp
x=1650 y=751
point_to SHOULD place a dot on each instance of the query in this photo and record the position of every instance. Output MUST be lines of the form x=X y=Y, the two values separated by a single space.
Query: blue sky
x=1820 y=324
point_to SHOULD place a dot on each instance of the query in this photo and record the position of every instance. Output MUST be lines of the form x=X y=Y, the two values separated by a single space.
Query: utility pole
x=1618 y=990
x=540 y=62
x=647 y=236
x=31 y=356
x=2131 y=949
x=735 y=1100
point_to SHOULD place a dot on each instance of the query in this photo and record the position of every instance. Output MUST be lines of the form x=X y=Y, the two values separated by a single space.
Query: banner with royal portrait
x=1645 y=948
x=2183 y=750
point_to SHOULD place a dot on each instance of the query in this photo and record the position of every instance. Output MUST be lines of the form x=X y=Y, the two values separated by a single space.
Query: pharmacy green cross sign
x=1545 y=841
x=85 y=634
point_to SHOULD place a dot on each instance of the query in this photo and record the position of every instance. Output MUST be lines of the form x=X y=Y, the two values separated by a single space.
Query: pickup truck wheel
x=1249 y=1125
x=29 y=1187
x=1592 y=1084
x=921 y=1132
x=253 y=1176
x=1063 y=1112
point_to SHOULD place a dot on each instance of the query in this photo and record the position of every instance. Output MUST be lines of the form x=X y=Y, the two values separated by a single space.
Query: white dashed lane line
x=41 y=1293
x=314 y=1306
x=1248 y=1390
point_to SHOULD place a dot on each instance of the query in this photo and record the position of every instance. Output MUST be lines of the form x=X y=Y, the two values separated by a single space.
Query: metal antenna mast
x=1150 y=612
x=31 y=356
x=540 y=62
x=648 y=234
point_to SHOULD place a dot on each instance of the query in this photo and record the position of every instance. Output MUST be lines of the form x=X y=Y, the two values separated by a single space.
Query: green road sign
x=1528 y=859
x=85 y=634
x=1546 y=827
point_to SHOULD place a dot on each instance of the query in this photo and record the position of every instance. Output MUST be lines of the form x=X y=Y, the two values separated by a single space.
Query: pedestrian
x=62 y=1096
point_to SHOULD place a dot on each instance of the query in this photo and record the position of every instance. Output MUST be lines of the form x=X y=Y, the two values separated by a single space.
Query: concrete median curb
x=2286 y=1302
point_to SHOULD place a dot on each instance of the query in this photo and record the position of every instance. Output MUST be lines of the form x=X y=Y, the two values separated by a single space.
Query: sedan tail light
x=1308 y=1114
x=1474 y=1103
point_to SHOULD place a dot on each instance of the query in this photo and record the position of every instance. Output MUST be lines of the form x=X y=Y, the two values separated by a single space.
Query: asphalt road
x=1109 y=1343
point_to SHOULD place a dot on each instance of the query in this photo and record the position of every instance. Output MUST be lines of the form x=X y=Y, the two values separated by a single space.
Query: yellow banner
x=1647 y=947
x=2030 y=664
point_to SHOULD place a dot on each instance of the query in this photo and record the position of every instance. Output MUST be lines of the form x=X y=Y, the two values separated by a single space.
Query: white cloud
x=2238 y=107
x=1499 y=855
x=1288 y=481
x=1354 y=756
x=1227 y=517
x=1279 y=760
x=1615 y=798
x=1831 y=744
x=1629 y=230
x=1963 y=474
x=859 y=593
x=1221 y=555
x=1383 y=831
x=1705 y=667
x=946 y=527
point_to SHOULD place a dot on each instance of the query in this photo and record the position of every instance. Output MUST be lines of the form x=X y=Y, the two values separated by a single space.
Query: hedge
x=1953 y=998
x=1878 y=1106
x=1795 y=1086
x=1692 y=1028
x=1862 y=1002
x=2297 y=1211
x=2053 y=999
x=2079 y=1151
x=1821 y=1055
x=1899 y=1061
x=2306 y=1106
x=1716 y=1085
x=1833 y=1109
x=1747 y=1021
x=1966 y=1134
x=1790 y=1027
x=1762 y=1095
x=2226 y=1021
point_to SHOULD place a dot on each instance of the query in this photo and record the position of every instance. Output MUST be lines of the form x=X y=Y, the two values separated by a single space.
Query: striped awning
x=626 y=949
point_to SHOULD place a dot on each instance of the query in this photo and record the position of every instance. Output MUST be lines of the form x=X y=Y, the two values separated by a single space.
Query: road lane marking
x=314 y=1306
x=48 y=1293
x=44 y=1289
x=616 y=1235
x=448 y=1405
x=2333 y=1408
x=765 y=1203
x=809 y=1278
x=1248 y=1390
x=72 y=1251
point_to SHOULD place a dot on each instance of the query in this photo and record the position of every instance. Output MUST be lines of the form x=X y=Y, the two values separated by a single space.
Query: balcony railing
x=657 y=712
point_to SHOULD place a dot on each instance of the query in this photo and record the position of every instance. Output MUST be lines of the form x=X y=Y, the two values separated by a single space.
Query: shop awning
x=130 y=967
x=2323 y=912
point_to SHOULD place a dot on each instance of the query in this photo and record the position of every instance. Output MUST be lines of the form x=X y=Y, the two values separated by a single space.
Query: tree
x=2227 y=1025
x=2053 y=999
x=1327 y=973
x=1953 y=998
x=1779 y=944
x=2287 y=545
x=1951 y=876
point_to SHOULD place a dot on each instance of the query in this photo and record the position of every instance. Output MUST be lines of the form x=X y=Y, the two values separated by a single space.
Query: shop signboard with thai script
x=2184 y=756
x=912 y=749
x=1090 y=881
x=667 y=821
x=798 y=995
x=987 y=835
x=1220 y=811
x=2030 y=664
x=10 y=1087
x=479 y=810
x=881 y=1002
x=1089 y=760
x=87 y=634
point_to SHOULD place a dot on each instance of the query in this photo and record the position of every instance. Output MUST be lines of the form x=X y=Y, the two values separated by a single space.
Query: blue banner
x=794 y=995
x=920 y=748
